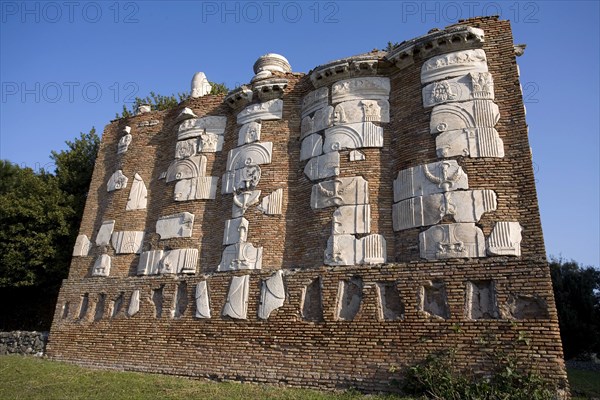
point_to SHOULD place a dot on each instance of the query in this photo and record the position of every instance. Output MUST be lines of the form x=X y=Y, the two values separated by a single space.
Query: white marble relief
x=117 y=181
x=314 y=100
x=82 y=246
x=349 y=250
x=249 y=132
x=273 y=203
x=473 y=86
x=125 y=141
x=202 y=301
x=138 y=195
x=200 y=188
x=211 y=143
x=505 y=239
x=459 y=240
x=176 y=225
x=243 y=200
x=186 y=148
x=471 y=142
x=465 y=115
x=340 y=192
x=322 y=119
x=453 y=64
x=244 y=179
x=272 y=295
x=266 y=111
x=195 y=127
x=462 y=206
x=236 y=305
x=351 y=219
x=200 y=85
x=324 y=166
x=242 y=255
x=102 y=266
x=127 y=242
x=186 y=113
x=187 y=168
x=437 y=177
x=353 y=136
x=149 y=263
x=249 y=154
x=361 y=111
x=368 y=88
x=236 y=230
x=179 y=261
x=374 y=249
x=312 y=146
x=356 y=155
x=134 y=303
x=105 y=232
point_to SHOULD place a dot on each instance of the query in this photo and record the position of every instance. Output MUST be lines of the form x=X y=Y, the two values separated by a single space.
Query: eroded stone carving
x=349 y=250
x=186 y=148
x=273 y=203
x=473 y=86
x=202 y=301
x=368 y=88
x=312 y=146
x=82 y=246
x=481 y=300
x=350 y=294
x=200 y=85
x=323 y=166
x=266 y=111
x=105 y=232
x=463 y=206
x=138 y=195
x=134 y=303
x=195 y=127
x=353 y=136
x=505 y=239
x=340 y=192
x=102 y=266
x=322 y=119
x=460 y=240
x=272 y=295
x=237 y=297
x=149 y=263
x=236 y=230
x=127 y=242
x=241 y=255
x=433 y=300
x=356 y=155
x=242 y=201
x=391 y=307
x=200 y=188
x=437 y=177
x=176 y=225
x=471 y=142
x=249 y=132
x=352 y=219
x=186 y=113
x=241 y=180
x=361 y=111
x=117 y=181
x=250 y=154
x=211 y=143
x=187 y=168
x=179 y=261
x=453 y=64
x=312 y=301
x=180 y=302
x=314 y=100
x=125 y=141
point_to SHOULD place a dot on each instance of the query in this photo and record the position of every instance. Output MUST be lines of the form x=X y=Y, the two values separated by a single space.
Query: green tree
x=577 y=295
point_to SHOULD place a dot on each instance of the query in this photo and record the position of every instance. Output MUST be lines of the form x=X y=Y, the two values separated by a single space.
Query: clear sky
x=66 y=66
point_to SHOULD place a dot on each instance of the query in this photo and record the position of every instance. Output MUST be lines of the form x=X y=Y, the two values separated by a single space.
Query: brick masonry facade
x=291 y=346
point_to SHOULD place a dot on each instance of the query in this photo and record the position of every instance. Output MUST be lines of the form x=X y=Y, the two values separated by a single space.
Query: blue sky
x=68 y=66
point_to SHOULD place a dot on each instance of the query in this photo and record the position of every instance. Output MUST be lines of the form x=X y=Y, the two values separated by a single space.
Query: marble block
x=361 y=111
x=149 y=263
x=200 y=188
x=116 y=181
x=465 y=115
x=195 y=127
x=105 y=232
x=186 y=148
x=273 y=203
x=179 y=261
x=176 y=225
x=367 y=88
x=473 y=86
x=125 y=141
x=211 y=143
x=459 y=240
x=138 y=195
x=187 y=168
x=82 y=246
x=505 y=239
x=314 y=100
x=102 y=266
x=236 y=305
x=127 y=242
x=312 y=146
x=200 y=85
x=236 y=230
x=374 y=249
x=186 y=113
x=356 y=155
x=257 y=153
x=241 y=180
x=202 y=301
x=321 y=119
x=349 y=250
x=471 y=142
x=134 y=303
x=241 y=255
x=353 y=136
x=272 y=295
x=324 y=166
x=249 y=132
x=352 y=219
x=437 y=177
x=453 y=64
x=266 y=111
x=243 y=200
x=340 y=192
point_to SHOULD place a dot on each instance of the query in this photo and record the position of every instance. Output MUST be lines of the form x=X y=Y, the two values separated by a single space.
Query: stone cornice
x=362 y=65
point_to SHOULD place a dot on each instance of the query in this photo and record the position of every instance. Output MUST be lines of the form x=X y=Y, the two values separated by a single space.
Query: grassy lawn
x=34 y=378
x=584 y=384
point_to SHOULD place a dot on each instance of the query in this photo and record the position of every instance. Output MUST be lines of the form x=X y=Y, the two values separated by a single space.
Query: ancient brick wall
x=328 y=285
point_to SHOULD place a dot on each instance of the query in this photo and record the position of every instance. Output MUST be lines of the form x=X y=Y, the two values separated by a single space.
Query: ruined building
x=325 y=229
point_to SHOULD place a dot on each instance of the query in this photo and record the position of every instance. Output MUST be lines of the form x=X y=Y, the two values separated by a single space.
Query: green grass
x=34 y=378
x=584 y=384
